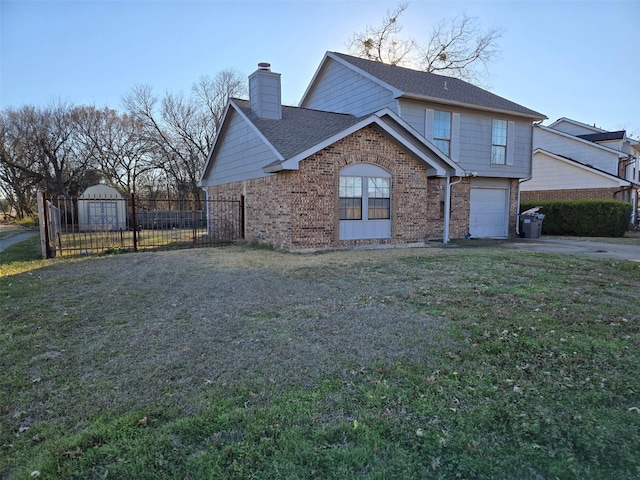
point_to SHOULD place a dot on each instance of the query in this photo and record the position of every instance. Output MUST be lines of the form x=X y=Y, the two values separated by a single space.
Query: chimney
x=265 y=95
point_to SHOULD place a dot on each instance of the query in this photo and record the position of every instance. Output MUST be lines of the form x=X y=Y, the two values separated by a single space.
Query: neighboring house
x=572 y=160
x=374 y=153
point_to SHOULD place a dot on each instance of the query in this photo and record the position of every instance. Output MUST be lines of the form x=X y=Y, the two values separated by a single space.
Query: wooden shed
x=102 y=208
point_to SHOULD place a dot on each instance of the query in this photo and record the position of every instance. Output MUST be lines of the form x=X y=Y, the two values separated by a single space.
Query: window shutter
x=428 y=125
x=455 y=137
x=511 y=135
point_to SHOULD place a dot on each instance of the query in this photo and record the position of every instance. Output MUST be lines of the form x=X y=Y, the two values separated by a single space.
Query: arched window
x=365 y=202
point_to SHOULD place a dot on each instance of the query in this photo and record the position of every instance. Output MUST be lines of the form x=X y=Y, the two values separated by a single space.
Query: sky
x=571 y=58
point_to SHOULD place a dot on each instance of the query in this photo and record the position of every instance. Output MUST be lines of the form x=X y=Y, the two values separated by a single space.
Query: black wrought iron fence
x=86 y=225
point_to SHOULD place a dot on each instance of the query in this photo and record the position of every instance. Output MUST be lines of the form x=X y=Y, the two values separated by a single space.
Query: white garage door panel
x=489 y=212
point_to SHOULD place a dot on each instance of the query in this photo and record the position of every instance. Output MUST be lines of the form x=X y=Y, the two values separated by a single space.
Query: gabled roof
x=408 y=83
x=593 y=128
x=385 y=121
x=302 y=132
x=575 y=138
x=298 y=129
x=604 y=136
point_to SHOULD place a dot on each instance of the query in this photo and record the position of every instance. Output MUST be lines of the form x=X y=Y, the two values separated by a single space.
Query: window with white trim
x=442 y=131
x=350 y=198
x=498 y=142
x=364 y=202
x=371 y=203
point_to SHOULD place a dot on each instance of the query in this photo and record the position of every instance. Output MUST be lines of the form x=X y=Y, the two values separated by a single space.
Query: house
x=572 y=160
x=373 y=153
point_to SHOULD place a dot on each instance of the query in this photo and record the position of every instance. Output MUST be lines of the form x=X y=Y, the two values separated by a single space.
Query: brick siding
x=298 y=210
x=569 y=194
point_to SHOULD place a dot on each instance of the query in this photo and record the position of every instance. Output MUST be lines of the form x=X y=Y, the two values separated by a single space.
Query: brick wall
x=569 y=194
x=513 y=205
x=299 y=209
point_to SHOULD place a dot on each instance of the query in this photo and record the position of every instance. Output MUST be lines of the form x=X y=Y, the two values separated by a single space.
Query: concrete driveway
x=620 y=251
x=15 y=238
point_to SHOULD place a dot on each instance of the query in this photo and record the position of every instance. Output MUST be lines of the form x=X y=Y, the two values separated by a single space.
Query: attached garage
x=489 y=209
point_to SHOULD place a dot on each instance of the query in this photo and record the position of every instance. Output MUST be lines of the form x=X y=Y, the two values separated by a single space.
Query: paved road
x=618 y=251
x=18 y=237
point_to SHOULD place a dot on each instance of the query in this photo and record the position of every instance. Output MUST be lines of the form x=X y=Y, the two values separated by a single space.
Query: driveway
x=15 y=238
x=620 y=251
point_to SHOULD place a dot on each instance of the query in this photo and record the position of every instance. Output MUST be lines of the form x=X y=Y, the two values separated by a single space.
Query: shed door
x=489 y=212
x=103 y=215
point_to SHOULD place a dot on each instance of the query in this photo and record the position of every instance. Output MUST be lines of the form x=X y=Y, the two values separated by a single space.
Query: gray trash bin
x=531 y=223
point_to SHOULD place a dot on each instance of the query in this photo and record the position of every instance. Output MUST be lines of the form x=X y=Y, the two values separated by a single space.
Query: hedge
x=584 y=218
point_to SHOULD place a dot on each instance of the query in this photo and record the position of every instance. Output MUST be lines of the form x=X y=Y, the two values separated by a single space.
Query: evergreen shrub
x=583 y=218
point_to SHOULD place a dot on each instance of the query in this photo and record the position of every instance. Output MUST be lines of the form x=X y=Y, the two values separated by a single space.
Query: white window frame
x=454 y=132
x=442 y=131
x=365 y=228
x=499 y=141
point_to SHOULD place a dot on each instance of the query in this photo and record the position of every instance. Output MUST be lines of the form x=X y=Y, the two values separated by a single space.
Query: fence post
x=241 y=216
x=134 y=222
x=43 y=223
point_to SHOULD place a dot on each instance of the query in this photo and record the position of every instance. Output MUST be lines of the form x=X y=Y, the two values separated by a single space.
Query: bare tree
x=457 y=47
x=19 y=165
x=183 y=128
x=66 y=166
x=214 y=94
x=383 y=43
x=117 y=144
x=173 y=129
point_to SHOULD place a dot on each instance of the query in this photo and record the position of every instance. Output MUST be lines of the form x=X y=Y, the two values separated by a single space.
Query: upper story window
x=442 y=131
x=499 y=142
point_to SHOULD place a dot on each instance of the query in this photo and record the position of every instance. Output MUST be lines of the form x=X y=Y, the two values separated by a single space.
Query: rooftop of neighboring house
x=605 y=136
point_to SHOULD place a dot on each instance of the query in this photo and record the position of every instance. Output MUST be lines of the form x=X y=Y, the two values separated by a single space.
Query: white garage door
x=489 y=212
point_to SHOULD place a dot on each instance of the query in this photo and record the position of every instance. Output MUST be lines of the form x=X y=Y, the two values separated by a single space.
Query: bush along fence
x=584 y=218
x=88 y=225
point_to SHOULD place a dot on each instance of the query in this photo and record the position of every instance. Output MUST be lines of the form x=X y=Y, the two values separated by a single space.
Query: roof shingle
x=299 y=129
x=430 y=85
x=603 y=137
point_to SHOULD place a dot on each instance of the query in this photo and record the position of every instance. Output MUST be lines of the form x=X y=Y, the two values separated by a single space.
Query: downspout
x=518 y=205
x=447 y=208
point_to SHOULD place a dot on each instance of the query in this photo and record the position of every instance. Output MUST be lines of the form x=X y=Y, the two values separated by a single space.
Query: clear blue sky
x=579 y=59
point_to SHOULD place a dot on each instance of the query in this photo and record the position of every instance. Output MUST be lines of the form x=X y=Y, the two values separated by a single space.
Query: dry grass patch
x=243 y=363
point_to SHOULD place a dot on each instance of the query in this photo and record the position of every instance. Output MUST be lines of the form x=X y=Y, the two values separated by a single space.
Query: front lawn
x=248 y=363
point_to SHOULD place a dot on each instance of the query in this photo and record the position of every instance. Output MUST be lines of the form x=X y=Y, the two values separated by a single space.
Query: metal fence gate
x=73 y=226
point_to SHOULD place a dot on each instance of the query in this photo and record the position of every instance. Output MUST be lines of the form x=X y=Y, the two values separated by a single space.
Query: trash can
x=531 y=223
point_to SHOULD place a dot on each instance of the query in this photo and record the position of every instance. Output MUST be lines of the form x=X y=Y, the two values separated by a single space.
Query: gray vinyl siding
x=475 y=139
x=576 y=149
x=414 y=114
x=340 y=89
x=475 y=146
x=240 y=154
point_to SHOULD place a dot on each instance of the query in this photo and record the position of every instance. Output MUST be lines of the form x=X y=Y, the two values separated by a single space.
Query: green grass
x=532 y=374
x=23 y=256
